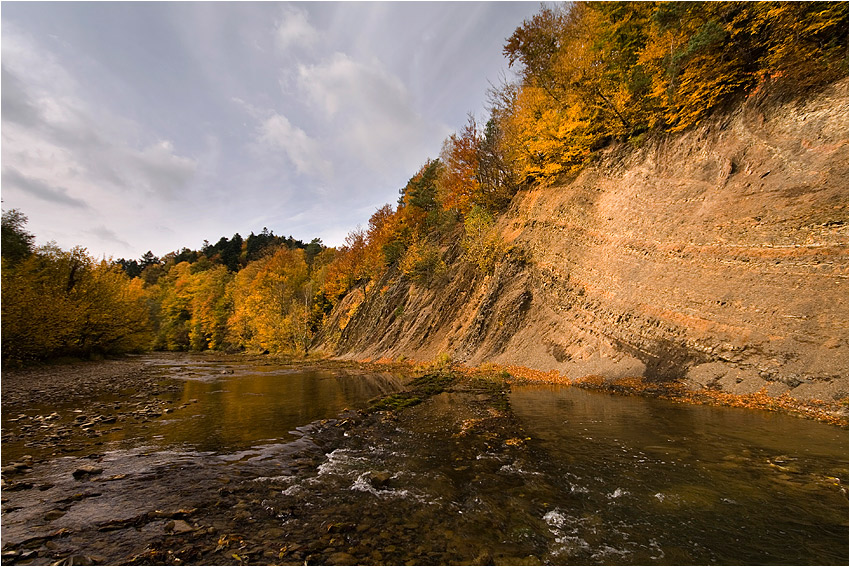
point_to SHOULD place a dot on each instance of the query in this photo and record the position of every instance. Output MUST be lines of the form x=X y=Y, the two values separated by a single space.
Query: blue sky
x=136 y=126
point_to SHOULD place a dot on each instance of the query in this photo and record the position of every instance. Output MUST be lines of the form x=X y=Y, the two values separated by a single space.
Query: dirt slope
x=718 y=256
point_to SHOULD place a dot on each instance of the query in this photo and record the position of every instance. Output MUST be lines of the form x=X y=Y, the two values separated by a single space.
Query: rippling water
x=565 y=477
x=648 y=480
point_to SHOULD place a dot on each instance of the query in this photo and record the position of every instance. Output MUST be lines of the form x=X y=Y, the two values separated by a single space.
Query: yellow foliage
x=482 y=244
x=58 y=303
x=271 y=301
x=422 y=262
x=545 y=139
x=594 y=71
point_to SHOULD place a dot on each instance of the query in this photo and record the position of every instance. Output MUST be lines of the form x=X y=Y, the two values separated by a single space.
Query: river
x=257 y=463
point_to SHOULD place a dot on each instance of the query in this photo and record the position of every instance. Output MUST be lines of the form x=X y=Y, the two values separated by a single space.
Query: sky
x=129 y=127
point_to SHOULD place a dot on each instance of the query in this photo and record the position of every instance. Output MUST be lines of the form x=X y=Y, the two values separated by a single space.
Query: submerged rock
x=54 y=514
x=77 y=560
x=342 y=558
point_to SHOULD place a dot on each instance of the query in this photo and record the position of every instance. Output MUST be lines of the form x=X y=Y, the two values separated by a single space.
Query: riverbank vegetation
x=66 y=303
x=588 y=75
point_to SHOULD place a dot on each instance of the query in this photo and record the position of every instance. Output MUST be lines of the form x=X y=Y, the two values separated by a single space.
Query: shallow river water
x=244 y=463
x=695 y=484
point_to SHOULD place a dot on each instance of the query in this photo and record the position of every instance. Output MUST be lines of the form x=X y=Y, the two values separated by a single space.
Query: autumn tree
x=593 y=72
x=419 y=209
x=385 y=238
x=497 y=177
x=458 y=186
x=173 y=308
x=64 y=303
x=482 y=244
x=17 y=243
x=349 y=267
x=272 y=303
x=210 y=308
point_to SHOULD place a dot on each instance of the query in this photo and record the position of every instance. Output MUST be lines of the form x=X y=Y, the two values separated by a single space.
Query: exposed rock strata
x=718 y=256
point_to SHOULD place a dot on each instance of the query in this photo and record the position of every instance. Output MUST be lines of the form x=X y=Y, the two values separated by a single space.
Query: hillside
x=717 y=256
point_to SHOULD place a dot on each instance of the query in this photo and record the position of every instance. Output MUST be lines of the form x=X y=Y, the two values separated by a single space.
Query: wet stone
x=178 y=527
x=85 y=471
x=77 y=560
x=16 y=468
x=341 y=558
x=379 y=479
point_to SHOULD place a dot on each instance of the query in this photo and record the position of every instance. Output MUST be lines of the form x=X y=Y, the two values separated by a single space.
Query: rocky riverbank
x=97 y=398
x=441 y=472
x=68 y=501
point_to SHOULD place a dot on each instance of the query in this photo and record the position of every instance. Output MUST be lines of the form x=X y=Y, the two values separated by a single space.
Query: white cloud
x=65 y=157
x=133 y=114
x=90 y=141
x=370 y=110
x=304 y=152
x=294 y=30
x=341 y=82
x=157 y=168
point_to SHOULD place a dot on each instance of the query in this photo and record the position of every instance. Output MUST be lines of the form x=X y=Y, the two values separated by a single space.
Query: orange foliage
x=458 y=186
x=348 y=267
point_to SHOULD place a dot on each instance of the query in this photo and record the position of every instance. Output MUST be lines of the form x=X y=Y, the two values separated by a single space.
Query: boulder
x=742 y=381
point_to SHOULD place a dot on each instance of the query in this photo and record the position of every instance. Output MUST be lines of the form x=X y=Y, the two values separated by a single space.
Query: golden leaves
x=58 y=303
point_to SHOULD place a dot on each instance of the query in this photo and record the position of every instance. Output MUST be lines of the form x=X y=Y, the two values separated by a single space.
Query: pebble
x=76 y=560
x=179 y=527
x=17 y=467
x=54 y=515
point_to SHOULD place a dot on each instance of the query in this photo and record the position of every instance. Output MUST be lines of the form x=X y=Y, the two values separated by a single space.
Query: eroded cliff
x=717 y=256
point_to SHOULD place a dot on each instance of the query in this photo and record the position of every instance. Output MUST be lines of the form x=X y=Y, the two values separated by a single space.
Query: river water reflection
x=697 y=484
x=241 y=450
x=233 y=407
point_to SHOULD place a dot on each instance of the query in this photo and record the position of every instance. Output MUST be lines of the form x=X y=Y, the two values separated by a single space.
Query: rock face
x=718 y=256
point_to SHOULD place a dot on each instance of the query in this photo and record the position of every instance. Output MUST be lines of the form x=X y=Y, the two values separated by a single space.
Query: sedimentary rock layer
x=717 y=256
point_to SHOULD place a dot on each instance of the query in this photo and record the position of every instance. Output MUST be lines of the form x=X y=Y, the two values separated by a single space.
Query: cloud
x=294 y=30
x=370 y=109
x=341 y=82
x=16 y=104
x=276 y=131
x=51 y=132
x=156 y=168
x=59 y=195
x=106 y=235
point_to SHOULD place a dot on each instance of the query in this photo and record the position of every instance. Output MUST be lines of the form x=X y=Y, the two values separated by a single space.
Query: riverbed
x=179 y=459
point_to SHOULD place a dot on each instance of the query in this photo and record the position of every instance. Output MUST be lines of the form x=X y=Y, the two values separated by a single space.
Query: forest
x=587 y=75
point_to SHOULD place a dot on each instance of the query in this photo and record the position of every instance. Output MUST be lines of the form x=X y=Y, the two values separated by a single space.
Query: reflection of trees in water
x=240 y=410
